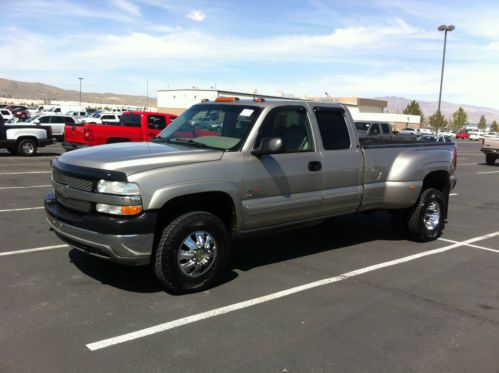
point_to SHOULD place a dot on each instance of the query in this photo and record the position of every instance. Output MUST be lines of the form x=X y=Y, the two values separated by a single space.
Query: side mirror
x=268 y=145
x=36 y=121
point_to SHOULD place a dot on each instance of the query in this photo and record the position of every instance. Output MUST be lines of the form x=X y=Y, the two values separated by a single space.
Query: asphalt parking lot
x=346 y=295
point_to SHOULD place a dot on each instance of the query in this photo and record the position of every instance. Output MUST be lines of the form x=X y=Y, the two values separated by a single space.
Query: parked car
x=6 y=114
x=425 y=131
x=24 y=139
x=490 y=147
x=133 y=126
x=408 y=131
x=373 y=129
x=102 y=118
x=435 y=138
x=56 y=122
x=462 y=135
x=177 y=202
x=20 y=112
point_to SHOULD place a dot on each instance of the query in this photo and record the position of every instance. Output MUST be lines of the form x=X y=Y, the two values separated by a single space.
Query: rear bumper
x=68 y=146
x=126 y=241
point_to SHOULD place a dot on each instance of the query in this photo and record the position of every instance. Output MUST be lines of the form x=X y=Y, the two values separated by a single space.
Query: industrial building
x=175 y=101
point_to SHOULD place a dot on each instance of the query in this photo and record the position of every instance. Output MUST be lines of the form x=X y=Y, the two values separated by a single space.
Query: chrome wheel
x=197 y=254
x=432 y=216
x=28 y=148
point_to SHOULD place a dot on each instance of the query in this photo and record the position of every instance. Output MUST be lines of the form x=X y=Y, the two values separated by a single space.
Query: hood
x=132 y=157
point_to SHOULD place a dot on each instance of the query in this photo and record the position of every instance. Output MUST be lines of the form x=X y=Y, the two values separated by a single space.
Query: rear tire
x=27 y=147
x=490 y=159
x=192 y=252
x=425 y=220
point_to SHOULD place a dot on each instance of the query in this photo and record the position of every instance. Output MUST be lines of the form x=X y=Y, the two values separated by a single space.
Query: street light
x=446 y=29
x=80 y=90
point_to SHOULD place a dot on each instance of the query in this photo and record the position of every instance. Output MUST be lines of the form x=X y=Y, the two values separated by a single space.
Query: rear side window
x=69 y=120
x=333 y=129
x=57 y=119
x=107 y=117
x=130 y=120
x=386 y=128
x=156 y=122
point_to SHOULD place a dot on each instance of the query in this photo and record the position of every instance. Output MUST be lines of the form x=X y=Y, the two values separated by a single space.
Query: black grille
x=74 y=204
x=71 y=181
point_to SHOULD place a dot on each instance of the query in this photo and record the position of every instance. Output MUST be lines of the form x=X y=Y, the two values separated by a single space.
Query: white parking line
x=26 y=164
x=22 y=209
x=26 y=187
x=266 y=298
x=467 y=164
x=453 y=194
x=28 y=172
x=16 y=252
x=470 y=245
x=487 y=172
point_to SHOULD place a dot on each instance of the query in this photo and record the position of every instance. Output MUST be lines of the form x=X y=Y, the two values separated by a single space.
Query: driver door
x=286 y=187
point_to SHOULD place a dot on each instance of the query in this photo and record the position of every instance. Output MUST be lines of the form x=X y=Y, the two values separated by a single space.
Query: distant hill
x=398 y=104
x=40 y=91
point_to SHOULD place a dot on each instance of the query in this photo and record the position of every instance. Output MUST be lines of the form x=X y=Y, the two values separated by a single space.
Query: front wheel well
x=219 y=204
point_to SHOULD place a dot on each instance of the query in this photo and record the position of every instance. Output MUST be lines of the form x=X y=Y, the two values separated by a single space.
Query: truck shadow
x=332 y=234
x=252 y=252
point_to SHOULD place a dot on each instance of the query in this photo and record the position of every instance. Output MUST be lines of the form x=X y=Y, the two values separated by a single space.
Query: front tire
x=192 y=252
x=27 y=147
x=490 y=159
x=426 y=219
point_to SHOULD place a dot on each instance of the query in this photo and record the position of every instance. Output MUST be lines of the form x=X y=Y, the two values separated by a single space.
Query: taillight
x=49 y=132
x=482 y=140
x=88 y=134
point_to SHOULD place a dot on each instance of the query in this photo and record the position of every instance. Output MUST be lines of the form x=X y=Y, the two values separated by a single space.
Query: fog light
x=119 y=210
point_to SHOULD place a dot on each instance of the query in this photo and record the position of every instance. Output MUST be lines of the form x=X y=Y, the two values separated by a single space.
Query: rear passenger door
x=285 y=187
x=342 y=162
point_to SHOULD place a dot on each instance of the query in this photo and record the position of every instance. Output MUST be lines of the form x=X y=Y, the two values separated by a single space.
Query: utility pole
x=147 y=95
x=446 y=29
x=80 y=90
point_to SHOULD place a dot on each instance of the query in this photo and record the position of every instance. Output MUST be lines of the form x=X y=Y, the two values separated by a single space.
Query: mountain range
x=398 y=104
x=25 y=90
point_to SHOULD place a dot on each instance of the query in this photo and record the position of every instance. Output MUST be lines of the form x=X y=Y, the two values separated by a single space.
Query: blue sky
x=359 y=48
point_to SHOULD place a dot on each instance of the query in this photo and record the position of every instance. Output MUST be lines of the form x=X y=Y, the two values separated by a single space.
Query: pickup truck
x=490 y=147
x=133 y=126
x=258 y=166
x=24 y=139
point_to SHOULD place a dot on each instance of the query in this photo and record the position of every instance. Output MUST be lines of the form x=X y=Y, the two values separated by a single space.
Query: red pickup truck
x=133 y=126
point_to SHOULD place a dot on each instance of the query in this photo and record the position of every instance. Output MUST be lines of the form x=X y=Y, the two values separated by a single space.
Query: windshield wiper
x=189 y=142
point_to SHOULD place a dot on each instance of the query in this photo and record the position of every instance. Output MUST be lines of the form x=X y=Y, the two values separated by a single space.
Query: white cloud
x=196 y=15
x=127 y=7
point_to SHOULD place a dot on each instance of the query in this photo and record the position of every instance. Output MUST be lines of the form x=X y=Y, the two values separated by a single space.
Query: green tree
x=482 y=124
x=494 y=127
x=413 y=108
x=459 y=119
x=438 y=122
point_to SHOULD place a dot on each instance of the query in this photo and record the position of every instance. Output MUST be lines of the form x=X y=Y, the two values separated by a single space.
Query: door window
x=44 y=120
x=156 y=122
x=374 y=130
x=291 y=125
x=333 y=129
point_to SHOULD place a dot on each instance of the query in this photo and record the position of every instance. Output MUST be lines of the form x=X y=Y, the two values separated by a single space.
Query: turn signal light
x=119 y=210
x=226 y=99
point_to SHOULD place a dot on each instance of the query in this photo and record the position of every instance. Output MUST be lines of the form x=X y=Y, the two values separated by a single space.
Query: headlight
x=118 y=187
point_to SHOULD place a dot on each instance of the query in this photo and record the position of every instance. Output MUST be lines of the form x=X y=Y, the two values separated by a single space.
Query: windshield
x=215 y=126
x=29 y=120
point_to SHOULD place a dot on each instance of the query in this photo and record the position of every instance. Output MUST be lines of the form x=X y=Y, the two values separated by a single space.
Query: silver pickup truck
x=254 y=166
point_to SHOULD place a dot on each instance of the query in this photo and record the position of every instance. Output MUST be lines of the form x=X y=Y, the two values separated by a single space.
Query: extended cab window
x=130 y=120
x=333 y=128
x=291 y=125
x=386 y=128
x=156 y=122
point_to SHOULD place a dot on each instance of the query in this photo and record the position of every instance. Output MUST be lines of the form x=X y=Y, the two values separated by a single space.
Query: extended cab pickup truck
x=132 y=126
x=230 y=168
x=490 y=147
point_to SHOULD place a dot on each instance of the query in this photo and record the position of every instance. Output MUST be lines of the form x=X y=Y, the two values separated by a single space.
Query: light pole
x=446 y=29
x=80 y=90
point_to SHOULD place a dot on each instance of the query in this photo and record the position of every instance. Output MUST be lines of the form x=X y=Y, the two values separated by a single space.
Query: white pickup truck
x=24 y=139
x=491 y=149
